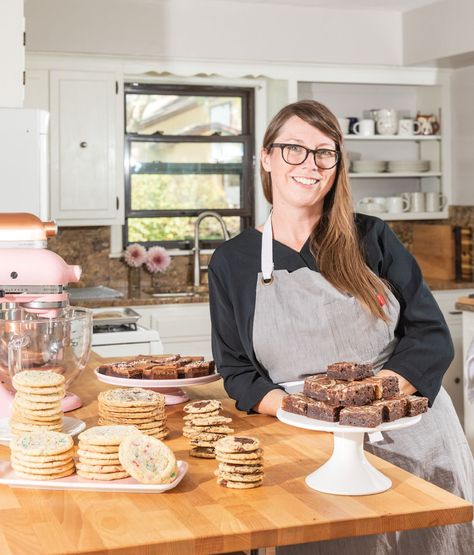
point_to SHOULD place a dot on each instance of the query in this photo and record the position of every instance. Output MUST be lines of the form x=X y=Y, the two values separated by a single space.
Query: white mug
x=435 y=202
x=397 y=204
x=416 y=201
x=408 y=127
x=372 y=205
x=344 y=125
x=387 y=122
x=364 y=127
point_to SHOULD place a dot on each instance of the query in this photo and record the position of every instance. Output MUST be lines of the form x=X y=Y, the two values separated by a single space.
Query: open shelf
x=383 y=175
x=392 y=137
x=388 y=216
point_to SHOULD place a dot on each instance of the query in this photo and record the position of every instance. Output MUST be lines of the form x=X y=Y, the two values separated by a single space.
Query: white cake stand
x=347 y=472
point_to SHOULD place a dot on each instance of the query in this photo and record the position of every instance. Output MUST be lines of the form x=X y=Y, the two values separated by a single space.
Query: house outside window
x=187 y=149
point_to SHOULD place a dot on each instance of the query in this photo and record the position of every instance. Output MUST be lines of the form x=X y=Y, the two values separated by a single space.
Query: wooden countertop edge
x=465 y=303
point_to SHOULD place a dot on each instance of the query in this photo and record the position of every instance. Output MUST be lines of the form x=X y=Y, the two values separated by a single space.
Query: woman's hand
x=405 y=386
x=271 y=402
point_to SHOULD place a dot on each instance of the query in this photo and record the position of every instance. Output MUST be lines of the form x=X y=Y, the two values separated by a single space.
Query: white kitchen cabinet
x=184 y=329
x=86 y=148
x=12 y=57
x=453 y=379
x=352 y=100
x=37 y=89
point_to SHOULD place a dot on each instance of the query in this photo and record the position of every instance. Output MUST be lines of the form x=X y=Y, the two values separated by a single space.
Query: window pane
x=171 y=114
x=178 y=229
x=191 y=191
x=145 y=157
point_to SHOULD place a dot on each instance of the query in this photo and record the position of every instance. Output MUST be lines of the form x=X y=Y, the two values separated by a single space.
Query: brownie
x=160 y=373
x=338 y=392
x=386 y=387
x=349 y=371
x=392 y=409
x=416 y=405
x=322 y=410
x=296 y=403
x=122 y=370
x=367 y=417
x=193 y=369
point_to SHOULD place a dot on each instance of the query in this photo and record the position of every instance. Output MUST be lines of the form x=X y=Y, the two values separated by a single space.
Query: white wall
x=438 y=31
x=12 y=53
x=462 y=95
x=209 y=29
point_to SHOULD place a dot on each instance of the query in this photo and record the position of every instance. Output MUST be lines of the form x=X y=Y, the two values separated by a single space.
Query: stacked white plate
x=408 y=166
x=369 y=166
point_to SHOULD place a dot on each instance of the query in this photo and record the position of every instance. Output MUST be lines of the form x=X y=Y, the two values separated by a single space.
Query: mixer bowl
x=60 y=344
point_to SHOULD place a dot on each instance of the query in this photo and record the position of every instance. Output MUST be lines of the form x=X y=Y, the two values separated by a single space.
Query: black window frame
x=246 y=212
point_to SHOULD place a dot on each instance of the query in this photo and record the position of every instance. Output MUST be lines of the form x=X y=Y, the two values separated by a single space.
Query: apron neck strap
x=267 y=249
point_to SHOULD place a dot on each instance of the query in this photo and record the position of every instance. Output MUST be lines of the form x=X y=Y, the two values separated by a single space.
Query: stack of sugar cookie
x=135 y=406
x=37 y=404
x=42 y=455
x=203 y=426
x=240 y=462
x=98 y=452
x=148 y=459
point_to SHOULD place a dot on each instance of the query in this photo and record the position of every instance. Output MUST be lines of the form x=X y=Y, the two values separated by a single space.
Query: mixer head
x=31 y=276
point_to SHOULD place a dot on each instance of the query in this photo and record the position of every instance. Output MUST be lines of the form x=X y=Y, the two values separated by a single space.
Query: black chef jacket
x=422 y=354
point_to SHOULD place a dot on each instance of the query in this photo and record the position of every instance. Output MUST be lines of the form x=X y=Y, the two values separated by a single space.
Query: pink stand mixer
x=38 y=328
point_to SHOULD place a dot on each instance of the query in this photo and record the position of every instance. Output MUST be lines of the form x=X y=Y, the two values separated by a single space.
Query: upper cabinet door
x=86 y=143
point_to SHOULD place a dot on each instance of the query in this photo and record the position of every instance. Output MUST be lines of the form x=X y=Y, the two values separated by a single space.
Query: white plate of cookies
x=70 y=425
x=76 y=482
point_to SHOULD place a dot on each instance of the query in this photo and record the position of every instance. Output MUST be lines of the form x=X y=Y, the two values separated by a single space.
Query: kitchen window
x=187 y=149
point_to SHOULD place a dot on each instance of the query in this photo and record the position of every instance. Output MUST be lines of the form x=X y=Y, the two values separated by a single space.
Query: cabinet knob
x=457 y=380
x=83 y=144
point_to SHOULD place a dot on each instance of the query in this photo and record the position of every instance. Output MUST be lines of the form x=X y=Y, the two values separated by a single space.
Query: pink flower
x=158 y=260
x=135 y=255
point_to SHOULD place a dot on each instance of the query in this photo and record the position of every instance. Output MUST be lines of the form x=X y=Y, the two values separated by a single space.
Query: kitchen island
x=199 y=516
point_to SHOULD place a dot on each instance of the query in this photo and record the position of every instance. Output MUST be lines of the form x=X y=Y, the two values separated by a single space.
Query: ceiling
x=380 y=5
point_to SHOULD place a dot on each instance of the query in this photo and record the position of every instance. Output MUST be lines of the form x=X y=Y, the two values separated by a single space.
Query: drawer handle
x=455 y=312
x=83 y=144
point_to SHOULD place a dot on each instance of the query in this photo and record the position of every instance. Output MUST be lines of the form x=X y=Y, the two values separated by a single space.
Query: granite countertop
x=145 y=299
x=202 y=296
x=443 y=284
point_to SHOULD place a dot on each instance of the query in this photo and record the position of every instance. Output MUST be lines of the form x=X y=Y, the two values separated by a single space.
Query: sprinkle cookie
x=148 y=459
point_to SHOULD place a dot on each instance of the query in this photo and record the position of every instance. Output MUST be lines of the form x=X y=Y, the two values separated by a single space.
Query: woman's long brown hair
x=334 y=241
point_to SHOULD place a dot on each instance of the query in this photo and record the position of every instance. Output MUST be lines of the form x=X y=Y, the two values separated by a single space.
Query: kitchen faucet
x=197 y=251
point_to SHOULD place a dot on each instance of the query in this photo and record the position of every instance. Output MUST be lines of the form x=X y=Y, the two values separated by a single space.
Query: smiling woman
x=317 y=284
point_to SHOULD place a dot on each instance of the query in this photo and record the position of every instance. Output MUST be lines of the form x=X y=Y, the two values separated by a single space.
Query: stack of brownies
x=159 y=368
x=350 y=394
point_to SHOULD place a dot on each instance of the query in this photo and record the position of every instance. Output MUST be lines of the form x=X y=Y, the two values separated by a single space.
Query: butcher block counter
x=199 y=516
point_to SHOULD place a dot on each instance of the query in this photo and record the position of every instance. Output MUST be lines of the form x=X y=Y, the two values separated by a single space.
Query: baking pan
x=115 y=315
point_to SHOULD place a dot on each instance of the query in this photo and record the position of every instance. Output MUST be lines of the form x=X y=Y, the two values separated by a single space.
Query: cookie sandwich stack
x=43 y=455
x=240 y=462
x=135 y=406
x=204 y=426
x=98 y=452
x=37 y=403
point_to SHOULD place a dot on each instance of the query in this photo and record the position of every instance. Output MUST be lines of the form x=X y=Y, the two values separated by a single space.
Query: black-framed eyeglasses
x=324 y=158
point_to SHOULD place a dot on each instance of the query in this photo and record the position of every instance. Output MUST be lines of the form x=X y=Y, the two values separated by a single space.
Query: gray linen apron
x=302 y=324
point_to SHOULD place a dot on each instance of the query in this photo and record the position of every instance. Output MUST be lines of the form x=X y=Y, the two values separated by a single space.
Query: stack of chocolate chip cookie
x=42 y=455
x=37 y=404
x=203 y=425
x=135 y=406
x=98 y=452
x=240 y=462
